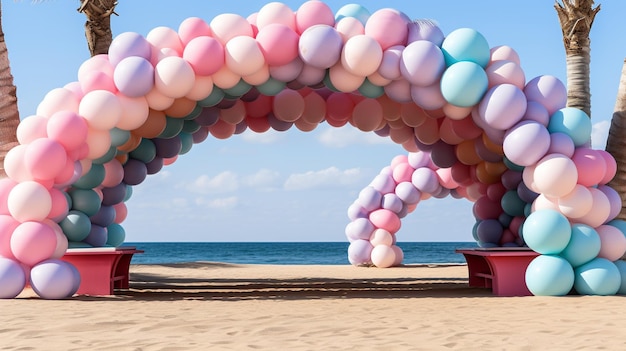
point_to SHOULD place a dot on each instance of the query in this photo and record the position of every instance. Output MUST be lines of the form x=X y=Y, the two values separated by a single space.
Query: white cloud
x=599 y=134
x=329 y=177
x=349 y=135
x=219 y=203
x=264 y=179
x=222 y=183
x=269 y=137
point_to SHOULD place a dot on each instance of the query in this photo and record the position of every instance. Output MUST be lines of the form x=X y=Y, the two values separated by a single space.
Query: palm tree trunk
x=9 y=114
x=616 y=143
x=98 y=25
x=576 y=18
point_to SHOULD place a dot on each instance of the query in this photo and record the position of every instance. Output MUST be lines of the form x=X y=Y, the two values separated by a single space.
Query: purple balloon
x=251 y=95
x=154 y=166
x=129 y=44
x=370 y=199
x=360 y=228
x=425 y=180
x=104 y=216
x=408 y=193
x=240 y=127
x=277 y=124
x=97 y=236
x=392 y=202
x=113 y=195
x=226 y=103
x=511 y=179
x=54 y=279
x=418 y=159
x=526 y=194
x=424 y=29
x=12 y=278
x=208 y=117
x=356 y=211
x=359 y=252
x=489 y=231
x=134 y=76
x=384 y=183
x=526 y=143
x=320 y=46
x=485 y=154
x=135 y=171
x=443 y=154
x=561 y=143
x=384 y=131
x=167 y=148
x=200 y=135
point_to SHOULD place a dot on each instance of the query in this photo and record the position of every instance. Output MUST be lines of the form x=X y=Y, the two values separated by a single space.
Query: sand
x=217 y=306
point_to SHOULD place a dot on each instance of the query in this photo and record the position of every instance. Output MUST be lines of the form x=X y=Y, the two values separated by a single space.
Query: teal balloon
x=85 y=200
x=464 y=84
x=583 y=246
x=91 y=179
x=512 y=166
x=191 y=127
x=466 y=44
x=353 y=10
x=119 y=136
x=173 y=126
x=621 y=266
x=547 y=231
x=144 y=152
x=116 y=235
x=76 y=225
x=108 y=156
x=597 y=277
x=194 y=113
x=475 y=231
x=512 y=204
x=186 y=140
x=573 y=122
x=328 y=82
x=549 y=275
x=271 y=87
x=370 y=90
x=213 y=99
x=238 y=90
x=78 y=245
x=129 y=192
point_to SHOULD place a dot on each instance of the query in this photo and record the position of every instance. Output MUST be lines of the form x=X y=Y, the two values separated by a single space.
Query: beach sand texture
x=219 y=306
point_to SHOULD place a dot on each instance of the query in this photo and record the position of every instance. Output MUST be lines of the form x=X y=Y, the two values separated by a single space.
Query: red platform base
x=102 y=270
x=501 y=269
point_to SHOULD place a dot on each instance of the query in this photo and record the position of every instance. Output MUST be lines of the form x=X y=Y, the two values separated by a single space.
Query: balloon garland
x=473 y=127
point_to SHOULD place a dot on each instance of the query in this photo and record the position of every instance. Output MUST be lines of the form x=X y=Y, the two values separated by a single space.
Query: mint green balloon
x=370 y=90
x=186 y=140
x=173 y=126
x=145 y=151
x=213 y=99
x=119 y=136
x=91 y=179
x=76 y=225
x=85 y=200
x=271 y=87
x=116 y=235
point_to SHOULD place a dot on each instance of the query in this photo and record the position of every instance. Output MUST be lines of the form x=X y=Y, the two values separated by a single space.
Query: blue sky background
x=294 y=186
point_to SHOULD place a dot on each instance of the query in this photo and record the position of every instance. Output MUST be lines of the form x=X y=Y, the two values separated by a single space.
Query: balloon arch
x=473 y=127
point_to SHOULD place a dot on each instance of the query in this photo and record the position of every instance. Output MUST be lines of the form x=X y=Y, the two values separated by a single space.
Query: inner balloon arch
x=472 y=125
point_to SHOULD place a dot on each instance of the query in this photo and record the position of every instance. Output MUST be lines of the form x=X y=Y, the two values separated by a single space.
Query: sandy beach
x=218 y=306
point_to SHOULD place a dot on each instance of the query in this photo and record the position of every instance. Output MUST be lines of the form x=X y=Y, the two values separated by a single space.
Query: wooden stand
x=501 y=269
x=103 y=269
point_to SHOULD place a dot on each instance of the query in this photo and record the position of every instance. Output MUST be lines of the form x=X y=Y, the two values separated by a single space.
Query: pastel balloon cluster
x=473 y=126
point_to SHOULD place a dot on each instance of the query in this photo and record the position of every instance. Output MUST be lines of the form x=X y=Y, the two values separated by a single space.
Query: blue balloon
x=547 y=231
x=353 y=10
x=621 y=266
x=598 y=277
x=466 y=44
x=583 y=246
x=573 y=122
x=464 y=84
x=549 y=275
x=97 y=236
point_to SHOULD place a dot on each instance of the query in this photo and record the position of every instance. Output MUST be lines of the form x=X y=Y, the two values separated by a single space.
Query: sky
x=295 y=186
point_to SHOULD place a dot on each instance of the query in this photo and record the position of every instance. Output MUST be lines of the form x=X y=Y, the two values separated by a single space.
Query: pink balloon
x=590 y=165
x=548 y=91
x=504 y=53
x=99 y=142
x=243 y=55
x=343 y=80
x=577 y=203
x=97 y=80
x=385 y=219
x=31 y=128
x=612 y=242
x=422 y=63
x=221 y=130
x=174 y=77
x=614 y=199
x=205 y=55
x=428 y=97
x=45 y=158
x=361 y=55
x=7 y=226
x=6 y=184
x=399 y=91
x=121 y=212
x=600 y=210
x=505 y=72
x=165 y=38
x=97 y=63
x=68 y=129
x=279 y=44
x=383 y=256
x=311 y=13
x=287 y=72
x=33 y=242
x=191 y=28
x=387 y=26
x=113 y=173
x=101 y=109
x=502 y=106
x=445 y=178
x=611 y=166
x=555 y=175
x=202 y=88
x=349 y=27
x=134 y=111
x=399 y=255
x=29 y=201
x=58 y=99
x=402 y=173
x=398 y=160
x=59 y=207
x=484 y=208
x=390 y=63
x=381 y=237
x=275 y=12
x=228 y=25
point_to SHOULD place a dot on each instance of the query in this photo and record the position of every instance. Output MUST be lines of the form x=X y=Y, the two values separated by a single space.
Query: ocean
x=288 y=253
